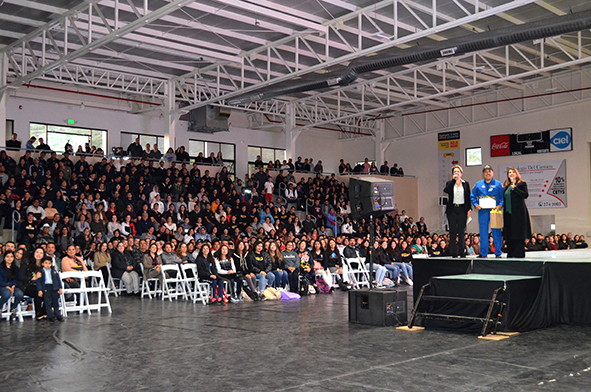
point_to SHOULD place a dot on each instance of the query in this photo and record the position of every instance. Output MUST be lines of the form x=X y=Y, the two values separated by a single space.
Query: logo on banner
x=560 y=140
x=500 y=146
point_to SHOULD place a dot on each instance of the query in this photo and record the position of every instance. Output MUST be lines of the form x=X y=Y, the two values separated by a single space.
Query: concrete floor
x=305 y=345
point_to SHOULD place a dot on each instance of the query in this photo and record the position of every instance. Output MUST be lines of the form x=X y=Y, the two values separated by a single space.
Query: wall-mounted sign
x=546 y=182
x=448 y=146
x=555 y=140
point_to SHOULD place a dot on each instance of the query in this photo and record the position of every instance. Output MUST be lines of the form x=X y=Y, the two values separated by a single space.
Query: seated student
x=239 y=256
x=405 y=263
x=259 y=263
x=434 y=250
x=206 y=273
x=580 y=242
x=384 y=259
x=224 y=265
x=27 y=278
x=277 y=266
x=469 y=248
x=333 y=262
x=291 y=262
x=8 y=282
x=306 y=267
x=50 y=288
x=152 y=262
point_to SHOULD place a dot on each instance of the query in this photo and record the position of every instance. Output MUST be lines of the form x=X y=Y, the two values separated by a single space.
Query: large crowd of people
x=127 y=218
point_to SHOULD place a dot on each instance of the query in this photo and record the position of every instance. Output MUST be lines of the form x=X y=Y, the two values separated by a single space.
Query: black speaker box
x=380 y=307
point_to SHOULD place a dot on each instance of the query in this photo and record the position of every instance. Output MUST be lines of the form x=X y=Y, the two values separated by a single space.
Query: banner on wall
x=448 y=146
x=554 y=140
x=546 y=182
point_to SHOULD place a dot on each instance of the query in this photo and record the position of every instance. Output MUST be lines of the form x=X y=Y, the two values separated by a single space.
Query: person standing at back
x=458 y=210
x=486 y=196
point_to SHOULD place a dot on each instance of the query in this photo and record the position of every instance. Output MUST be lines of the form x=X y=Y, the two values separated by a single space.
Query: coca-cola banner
x=448 y=146
x=546 y=182
x=499 y=146
x=555 y=140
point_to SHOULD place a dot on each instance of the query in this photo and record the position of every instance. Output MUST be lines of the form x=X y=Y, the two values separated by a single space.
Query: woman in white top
x=154 y=193
x=127 y=227
x=113 y=225
x=347 y=227
x=268 y=226
x=226 y=270
x=170 y=225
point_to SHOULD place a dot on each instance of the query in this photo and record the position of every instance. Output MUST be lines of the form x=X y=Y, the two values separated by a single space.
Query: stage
x=542 y=290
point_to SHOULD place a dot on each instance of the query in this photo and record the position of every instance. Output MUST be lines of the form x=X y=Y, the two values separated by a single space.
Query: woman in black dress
x=515 y=217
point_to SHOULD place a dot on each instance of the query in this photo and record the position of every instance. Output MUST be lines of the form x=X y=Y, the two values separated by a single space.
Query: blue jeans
x=394 y=269
x=280 y=278
x=264 y=281
x=379 y=270
x=5 y=295
x=406 y=270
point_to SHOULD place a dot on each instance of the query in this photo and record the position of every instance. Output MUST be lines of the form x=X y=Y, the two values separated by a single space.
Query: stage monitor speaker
x=382 y=307
x=371 y=196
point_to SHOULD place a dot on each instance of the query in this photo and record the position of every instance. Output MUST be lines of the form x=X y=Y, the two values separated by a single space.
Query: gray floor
x=306 y=345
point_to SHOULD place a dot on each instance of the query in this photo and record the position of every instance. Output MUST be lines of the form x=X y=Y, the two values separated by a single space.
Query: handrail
x=18 y=214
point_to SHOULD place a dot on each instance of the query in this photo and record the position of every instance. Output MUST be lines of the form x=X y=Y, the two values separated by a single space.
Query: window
x=267 y=154
x=474 y=156
x=57 y=136
x=228 y=151
x=127 y=138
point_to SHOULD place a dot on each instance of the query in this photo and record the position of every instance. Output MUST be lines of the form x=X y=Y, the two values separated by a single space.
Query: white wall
x=419 y=157
x=324 y=145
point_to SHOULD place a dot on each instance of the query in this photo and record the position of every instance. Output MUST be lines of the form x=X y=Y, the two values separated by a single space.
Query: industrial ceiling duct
x=488 y=40
x=209 y=119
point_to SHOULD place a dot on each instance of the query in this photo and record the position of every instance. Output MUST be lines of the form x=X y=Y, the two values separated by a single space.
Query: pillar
x=171 y=117
x=3 y=97
x=291 y=133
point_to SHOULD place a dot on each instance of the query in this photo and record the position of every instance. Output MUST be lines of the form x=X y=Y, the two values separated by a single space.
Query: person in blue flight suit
x=492 y=190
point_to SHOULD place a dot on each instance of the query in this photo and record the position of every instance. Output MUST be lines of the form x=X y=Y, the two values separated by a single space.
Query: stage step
x=451 y=317
x=457 y=299
x=493 y=316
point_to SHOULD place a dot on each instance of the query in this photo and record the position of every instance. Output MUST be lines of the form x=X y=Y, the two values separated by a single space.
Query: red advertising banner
x=500 y=146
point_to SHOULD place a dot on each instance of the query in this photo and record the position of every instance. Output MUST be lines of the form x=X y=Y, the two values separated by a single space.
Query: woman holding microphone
x=458 y=210
x=515 y=217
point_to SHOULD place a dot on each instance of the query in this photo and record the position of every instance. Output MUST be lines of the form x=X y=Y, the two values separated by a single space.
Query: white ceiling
x=208 y=51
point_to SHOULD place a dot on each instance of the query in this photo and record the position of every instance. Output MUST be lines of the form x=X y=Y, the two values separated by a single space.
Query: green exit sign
x=71 y=122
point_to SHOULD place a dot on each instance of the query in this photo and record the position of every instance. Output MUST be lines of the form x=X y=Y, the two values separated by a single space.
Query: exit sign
x=71 y=122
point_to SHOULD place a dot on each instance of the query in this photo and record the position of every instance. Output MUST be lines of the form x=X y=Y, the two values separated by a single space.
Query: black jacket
x=517 y=225
x=204 y=268
x=120 y=262
x=449 y=190
x=258 y=262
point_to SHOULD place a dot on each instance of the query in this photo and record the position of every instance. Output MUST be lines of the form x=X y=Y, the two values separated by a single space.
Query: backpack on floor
x=287 y=295
x=270 y=293
x=323 y=286
x=246 y=290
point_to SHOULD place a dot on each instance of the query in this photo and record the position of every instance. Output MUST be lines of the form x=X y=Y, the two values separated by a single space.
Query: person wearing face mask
x=516 y=222
x=487 y=195
x=458 y=210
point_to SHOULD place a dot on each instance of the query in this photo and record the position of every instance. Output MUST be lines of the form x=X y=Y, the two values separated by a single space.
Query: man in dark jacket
x=135 y=149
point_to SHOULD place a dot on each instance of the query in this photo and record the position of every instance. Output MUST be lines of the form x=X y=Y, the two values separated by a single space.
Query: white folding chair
x=358 y=274
x=189 y=277
x=97 y=285
x=73 y=306
x=146 y=285
x=22 y=311
x=201 y=292
x=173 y=285
x=111 y=286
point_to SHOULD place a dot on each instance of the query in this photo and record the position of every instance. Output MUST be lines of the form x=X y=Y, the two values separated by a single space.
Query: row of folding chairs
x=91 y=284
x=176 y=281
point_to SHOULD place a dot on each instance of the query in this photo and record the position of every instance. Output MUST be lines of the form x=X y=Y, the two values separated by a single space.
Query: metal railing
x=16 y=217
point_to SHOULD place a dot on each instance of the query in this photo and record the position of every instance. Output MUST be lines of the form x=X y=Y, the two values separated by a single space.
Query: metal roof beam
x=94 y=44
